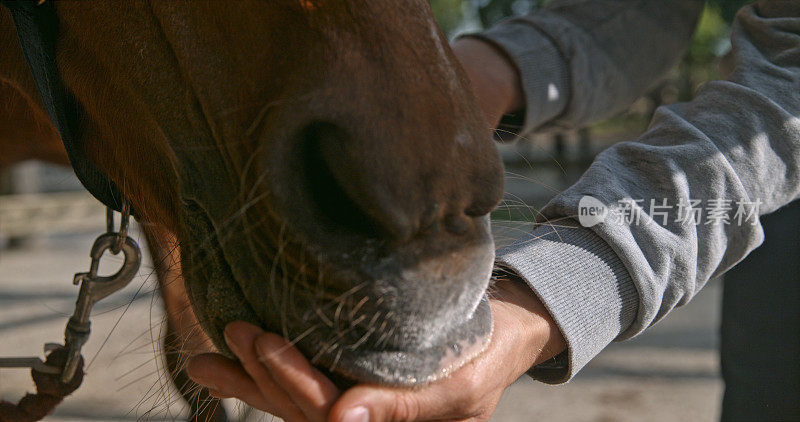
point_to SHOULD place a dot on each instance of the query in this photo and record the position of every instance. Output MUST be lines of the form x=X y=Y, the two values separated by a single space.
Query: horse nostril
x=482 y=206
x=329 y=192
x=457 y=224
x=380 y=187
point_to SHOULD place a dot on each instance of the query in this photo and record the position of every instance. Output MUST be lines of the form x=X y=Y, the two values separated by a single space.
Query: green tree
x=449 y=14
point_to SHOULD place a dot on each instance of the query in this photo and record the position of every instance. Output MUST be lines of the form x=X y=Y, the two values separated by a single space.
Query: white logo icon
x=591 y=211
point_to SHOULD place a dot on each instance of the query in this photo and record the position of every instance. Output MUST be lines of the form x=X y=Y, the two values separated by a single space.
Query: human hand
x=495 y=80
x=275 y=377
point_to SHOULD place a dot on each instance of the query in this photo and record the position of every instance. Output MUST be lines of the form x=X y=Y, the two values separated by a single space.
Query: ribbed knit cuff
x=582 y=283
x=542 y=68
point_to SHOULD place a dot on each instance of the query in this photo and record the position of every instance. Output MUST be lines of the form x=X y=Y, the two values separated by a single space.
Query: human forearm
x=736 y=144
x=582 y=61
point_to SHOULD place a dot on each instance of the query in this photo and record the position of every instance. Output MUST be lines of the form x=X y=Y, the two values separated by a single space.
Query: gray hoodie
x=654 y=219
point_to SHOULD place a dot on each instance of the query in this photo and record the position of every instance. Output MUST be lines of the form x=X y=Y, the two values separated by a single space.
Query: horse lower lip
x=416 y=367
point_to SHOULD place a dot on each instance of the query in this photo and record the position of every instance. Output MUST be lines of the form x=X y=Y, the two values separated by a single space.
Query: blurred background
x=47 y=224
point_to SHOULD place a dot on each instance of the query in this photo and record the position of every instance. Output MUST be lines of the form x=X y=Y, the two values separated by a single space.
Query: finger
x=240 y=337
x=312 y=391
x=435 y=402
x=226 y=378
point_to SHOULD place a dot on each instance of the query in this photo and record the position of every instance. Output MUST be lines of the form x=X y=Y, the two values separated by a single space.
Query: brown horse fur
x=322 y=165
x=26 y=133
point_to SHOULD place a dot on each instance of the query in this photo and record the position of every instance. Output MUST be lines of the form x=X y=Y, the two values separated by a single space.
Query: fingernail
x=230 y=343
x=356 y=414
x=262 y=357
x=266 y=350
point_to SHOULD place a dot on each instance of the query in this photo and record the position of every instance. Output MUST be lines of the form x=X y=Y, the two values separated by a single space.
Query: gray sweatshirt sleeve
x=582 y=60
x=679 y=205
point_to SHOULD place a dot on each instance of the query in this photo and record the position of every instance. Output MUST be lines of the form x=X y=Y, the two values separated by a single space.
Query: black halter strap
x=37 y=29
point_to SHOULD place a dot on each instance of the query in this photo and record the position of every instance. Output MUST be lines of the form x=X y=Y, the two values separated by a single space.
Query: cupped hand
x=275 y=377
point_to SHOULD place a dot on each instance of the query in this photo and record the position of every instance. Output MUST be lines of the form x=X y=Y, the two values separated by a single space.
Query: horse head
x=322 y=163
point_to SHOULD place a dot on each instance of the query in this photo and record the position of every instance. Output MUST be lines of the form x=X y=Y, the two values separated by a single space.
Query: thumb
x=375 y=404
x=378 y=404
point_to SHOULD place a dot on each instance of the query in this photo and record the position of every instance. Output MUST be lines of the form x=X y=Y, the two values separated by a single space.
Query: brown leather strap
x=49 y=392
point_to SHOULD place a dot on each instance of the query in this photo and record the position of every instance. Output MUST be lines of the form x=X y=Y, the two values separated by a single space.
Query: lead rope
x=50 y=391
x=62 y=371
